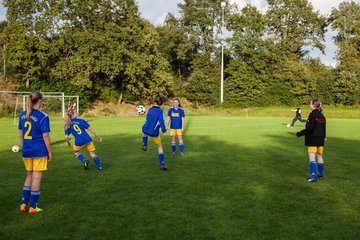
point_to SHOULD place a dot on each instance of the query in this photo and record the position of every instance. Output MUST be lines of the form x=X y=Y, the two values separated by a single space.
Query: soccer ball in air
x=140 y=109
x=15 y=148
x=288 y=125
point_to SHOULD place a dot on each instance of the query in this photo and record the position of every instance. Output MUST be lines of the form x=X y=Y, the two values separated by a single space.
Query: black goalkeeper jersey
x=315 y=129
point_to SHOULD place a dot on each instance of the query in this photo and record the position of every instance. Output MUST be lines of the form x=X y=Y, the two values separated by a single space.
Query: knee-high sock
x=80 y=157
x=97 y=161
x=173 y=147
x=26 y=195
x=320 y=169
x=313 y=169
x=145 y=140
x=161 y=159
x=181 y=145
x=34 y=198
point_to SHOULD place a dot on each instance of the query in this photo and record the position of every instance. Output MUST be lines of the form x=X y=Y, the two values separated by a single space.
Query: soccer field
x=240 y=179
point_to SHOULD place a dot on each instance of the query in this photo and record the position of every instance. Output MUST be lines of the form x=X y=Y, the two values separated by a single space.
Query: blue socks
x=97 y=162
x=181 y=145
x=313 y=169
x=34 y=198
x=26 y=195
x=161 y=159
x=320 y=169
x=145 y=140
x=81 y=157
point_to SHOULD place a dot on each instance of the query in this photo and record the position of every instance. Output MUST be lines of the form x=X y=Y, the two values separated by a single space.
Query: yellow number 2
x=77 y=129
x=27 y=125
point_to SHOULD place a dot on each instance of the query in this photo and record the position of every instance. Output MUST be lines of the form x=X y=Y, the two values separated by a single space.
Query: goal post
x=52 y=102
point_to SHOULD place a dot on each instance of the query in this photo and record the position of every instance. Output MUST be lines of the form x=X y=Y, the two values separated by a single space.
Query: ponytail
x=32 y=99
x=69 y=114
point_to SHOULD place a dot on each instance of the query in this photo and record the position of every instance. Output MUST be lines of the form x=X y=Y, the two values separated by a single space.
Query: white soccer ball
x=288 y=125
x=140 y=109
x=15 y=148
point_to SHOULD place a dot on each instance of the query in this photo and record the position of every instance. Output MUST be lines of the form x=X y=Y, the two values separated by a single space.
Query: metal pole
x=77 y=104
x=4 y=61
x=222 y=53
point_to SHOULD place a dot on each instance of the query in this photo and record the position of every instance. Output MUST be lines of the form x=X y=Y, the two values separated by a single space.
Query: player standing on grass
x=315 y=134
x=155 y=120
x=176 y=124
x=34 y=129
x=297 y=117
x=77 y=127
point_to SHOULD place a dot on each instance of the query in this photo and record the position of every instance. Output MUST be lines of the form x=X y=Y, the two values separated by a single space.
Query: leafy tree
x=251 y=57
x=295 y=25
x=176 y=47
x=346 y=21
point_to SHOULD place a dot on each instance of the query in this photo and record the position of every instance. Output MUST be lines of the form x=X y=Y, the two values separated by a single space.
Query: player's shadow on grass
x=218 y=190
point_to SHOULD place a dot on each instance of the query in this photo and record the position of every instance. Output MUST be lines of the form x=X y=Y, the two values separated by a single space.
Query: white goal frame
x=60 y=95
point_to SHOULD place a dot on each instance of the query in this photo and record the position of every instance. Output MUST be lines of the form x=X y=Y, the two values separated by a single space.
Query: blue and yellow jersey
x=155 y=120
x=78 y=128
x=32 y=134
x=176 y=115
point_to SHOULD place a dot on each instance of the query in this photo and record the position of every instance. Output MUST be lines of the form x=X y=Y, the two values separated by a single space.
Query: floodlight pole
x=4 y=61
x=223 y=5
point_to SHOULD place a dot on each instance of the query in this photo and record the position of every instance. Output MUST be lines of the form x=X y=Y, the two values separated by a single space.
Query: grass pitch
x=240 y=179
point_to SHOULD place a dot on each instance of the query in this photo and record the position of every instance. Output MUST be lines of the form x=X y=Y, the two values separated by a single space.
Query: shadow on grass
x=217 y=191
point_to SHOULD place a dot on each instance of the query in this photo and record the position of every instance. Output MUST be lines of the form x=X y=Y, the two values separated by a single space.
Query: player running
x=315 y=134
x=77 y=127
x=155 y=120
x=34 y=129
x=176 y=124
x=297 y=117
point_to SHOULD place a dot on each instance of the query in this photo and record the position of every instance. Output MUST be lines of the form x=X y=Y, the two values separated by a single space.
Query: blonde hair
x=69 y=114
x=32 y=99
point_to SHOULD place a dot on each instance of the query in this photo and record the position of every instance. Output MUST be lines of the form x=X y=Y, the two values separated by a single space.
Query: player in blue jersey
x=34 y=129
x=155 y=120
x=176 y=124
x=77 y=127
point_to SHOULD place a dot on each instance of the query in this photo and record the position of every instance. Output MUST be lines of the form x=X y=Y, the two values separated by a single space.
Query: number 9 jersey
x=32 y=134
x=78 y=130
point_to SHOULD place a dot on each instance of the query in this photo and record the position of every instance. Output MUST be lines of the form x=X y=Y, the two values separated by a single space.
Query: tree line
x=104 y=50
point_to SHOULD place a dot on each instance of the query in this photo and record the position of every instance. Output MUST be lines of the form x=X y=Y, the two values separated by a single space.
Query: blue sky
x=156 y=11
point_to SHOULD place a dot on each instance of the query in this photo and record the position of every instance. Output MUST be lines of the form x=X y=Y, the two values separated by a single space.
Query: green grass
x=240 y=179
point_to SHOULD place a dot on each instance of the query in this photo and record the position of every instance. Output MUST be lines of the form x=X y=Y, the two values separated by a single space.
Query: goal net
x=12 y=103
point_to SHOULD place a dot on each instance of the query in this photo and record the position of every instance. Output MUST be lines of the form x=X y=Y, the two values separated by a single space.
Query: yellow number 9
x=27 y=125
x=77 y=129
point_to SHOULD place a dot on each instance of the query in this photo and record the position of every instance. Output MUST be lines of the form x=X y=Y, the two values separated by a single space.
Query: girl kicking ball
x=297 y=117
x=77 y=127
x=315 y=134
x=34 y=129
x=176 y=123
x=154 y=121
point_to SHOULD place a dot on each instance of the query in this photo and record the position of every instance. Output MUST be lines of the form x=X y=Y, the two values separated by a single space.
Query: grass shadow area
x=219 y=190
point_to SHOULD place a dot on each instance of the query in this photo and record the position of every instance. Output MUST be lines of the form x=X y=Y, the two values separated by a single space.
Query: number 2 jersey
x=78 y=128
x=32 y=134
